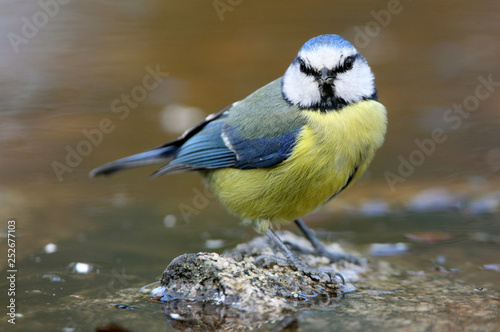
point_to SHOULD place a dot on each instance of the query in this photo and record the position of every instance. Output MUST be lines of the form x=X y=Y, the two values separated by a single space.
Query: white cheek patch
x=300 y=88
x=355 y=84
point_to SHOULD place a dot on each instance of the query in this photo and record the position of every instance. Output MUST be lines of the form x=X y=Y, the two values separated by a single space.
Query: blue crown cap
x=326 y=40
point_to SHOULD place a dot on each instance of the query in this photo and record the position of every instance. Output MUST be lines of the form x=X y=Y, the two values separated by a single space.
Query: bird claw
x=315 y=274
x=333 y=257
x=341 y=277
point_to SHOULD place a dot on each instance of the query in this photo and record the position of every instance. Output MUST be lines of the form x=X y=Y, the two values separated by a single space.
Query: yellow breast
x=334 y=148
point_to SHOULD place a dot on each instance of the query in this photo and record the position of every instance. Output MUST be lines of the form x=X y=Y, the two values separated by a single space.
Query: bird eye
x=348 y=62
x=303 y=67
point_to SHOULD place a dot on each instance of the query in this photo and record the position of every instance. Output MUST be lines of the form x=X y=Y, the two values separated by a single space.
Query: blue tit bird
x=288 y=147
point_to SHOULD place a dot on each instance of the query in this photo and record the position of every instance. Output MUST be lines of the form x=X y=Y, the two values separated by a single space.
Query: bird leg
x=295 y=261
x=320 y=248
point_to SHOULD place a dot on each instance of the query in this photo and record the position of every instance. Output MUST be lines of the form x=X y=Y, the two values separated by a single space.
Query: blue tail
x=158 y=154
x=154 y=156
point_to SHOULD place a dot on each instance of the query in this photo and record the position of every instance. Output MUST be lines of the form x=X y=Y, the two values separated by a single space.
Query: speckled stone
x=236 y=283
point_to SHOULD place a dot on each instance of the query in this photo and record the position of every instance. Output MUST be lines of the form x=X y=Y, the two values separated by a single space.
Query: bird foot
x=318 y=275
x=334 y=257
x=320 y=249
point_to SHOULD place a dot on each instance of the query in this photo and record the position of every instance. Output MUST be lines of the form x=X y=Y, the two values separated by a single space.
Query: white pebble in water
x=80 y=268
x=169 y=221
x=388 y=249
x=50 y=248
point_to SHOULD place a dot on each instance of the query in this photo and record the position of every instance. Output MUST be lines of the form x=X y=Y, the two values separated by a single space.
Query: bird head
x=328 y=74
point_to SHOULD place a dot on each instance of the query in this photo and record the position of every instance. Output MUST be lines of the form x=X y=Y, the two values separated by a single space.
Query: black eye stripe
x=346 y=65
x=306 y=69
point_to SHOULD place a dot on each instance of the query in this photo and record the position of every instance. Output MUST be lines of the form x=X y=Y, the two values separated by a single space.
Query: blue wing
x=204 y=150
x=257 y=132
x=218 y=146
x=260 y=152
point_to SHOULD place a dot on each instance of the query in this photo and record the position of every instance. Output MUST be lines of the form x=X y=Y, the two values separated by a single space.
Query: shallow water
x=77 y=90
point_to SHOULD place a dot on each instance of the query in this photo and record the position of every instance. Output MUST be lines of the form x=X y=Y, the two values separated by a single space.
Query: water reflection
x=202 y=316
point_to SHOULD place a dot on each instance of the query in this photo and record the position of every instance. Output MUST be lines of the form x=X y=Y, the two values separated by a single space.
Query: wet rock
x=388 y=249
x=435 y=200
x=492 y=267
x=208 y=291
x=485 y=205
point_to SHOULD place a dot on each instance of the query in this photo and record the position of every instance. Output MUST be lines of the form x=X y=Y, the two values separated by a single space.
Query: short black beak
x=327 y=76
